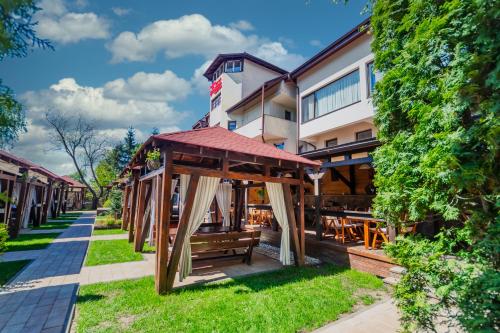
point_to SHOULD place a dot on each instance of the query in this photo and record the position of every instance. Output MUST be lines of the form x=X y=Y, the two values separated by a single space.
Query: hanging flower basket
x=153 y=164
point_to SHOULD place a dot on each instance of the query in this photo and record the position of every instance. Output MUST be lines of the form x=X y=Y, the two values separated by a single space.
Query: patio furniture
x=366 y=226
x=377 y=231
x=222 y=242
x=341 y=228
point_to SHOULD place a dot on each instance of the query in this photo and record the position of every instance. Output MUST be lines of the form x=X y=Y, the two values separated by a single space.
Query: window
x=280 y=145
x=364 y=135
x=331 y=143
x=216 y=102
x=288 y=115
x=234 y=66
x=372 y=78
x=334 y=96
x=231 y=125
x=218 y=72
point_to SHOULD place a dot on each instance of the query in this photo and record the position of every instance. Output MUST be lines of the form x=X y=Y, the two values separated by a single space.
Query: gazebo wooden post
x=138 y=211
x=133 y=205
x=144 y=222
x=10 y=188
x=302 y=215
x=163 y=225
x=287 y=194
x=46 y=204
x=60 y=200
x=125 y=208
x=181 y=231
x=15 y=225
x=39 y=214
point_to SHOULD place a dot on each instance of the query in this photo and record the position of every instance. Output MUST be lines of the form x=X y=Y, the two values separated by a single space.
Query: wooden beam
x=164 y=225
x=125 y=208
x=15 y=224
x=133 y=206
x=352 y=179
x=302 y=215
x=292 y=224
x=178 y=169
x=181 y=231
x=144 y=191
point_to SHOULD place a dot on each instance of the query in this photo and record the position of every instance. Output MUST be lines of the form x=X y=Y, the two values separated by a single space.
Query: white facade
x=343 y=123
x=235 y=87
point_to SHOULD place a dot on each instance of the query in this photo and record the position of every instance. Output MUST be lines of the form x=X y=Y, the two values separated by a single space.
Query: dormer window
x=234 y=66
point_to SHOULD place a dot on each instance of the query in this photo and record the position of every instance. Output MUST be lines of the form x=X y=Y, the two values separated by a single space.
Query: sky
x=140 y=63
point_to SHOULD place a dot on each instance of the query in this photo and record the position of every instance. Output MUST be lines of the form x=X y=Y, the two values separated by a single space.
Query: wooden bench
x=225 y=242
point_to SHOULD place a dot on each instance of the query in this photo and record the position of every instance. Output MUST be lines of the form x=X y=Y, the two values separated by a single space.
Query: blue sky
x=139 y=63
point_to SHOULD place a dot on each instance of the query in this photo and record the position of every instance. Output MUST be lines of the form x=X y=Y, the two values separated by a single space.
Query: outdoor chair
x=378 y=231
x=341 y=229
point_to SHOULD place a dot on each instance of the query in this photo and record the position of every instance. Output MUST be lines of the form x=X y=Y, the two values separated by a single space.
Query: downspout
x=297 y=116
x=262 y=111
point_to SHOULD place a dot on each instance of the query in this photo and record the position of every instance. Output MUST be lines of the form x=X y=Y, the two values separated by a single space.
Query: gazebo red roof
x=225 y=140
x=29 y=165
x=72 y=182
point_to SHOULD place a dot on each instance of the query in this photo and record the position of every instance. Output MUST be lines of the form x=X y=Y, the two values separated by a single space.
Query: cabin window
x=218 y=72
x=364 y=135
x=331 y=143
x=231 y=125
x=334 y=96
x=216 y=101
x=280 y=145
x=288 y=115
x=234 y=66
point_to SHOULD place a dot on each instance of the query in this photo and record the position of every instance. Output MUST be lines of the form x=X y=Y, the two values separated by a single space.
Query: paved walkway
x=381 y=317
x=39 y=299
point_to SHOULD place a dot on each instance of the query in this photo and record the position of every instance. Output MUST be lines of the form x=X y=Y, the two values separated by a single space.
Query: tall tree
x=438 y=118
x=17 y=38
x=128 y=148
x=79 y=139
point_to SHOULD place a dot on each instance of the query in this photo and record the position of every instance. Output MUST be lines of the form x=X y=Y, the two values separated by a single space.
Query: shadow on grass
x=89 y=298
x=262 y=281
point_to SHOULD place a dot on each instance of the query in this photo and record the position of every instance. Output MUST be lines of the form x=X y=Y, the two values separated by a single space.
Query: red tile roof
x=28 y=164
x=223 y=139
x=72 y=182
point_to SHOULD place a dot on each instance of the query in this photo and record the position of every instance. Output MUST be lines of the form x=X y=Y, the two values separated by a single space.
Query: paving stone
x=13 y=328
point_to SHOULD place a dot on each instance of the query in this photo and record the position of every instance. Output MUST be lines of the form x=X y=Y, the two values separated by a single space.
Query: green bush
x=3 y=237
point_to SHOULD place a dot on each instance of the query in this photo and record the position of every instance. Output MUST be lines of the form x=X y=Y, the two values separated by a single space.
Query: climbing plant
x=438 y=119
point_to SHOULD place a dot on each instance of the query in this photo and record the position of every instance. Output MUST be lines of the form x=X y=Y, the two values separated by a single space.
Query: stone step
x=397 y=271
x=391 y=281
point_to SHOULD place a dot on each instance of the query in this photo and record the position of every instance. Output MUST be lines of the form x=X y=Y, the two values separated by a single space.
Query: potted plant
x=153 y=159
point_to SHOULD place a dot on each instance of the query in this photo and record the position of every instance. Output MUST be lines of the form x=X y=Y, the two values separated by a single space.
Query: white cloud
x=155 y=87
x=119 y=11
x=242 y=25
x=113 y=107
x=195 y=35
x=56 y=23
x=198 y=81
x=316 y=43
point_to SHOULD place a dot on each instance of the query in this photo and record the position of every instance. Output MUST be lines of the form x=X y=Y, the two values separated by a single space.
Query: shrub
x=3 y=237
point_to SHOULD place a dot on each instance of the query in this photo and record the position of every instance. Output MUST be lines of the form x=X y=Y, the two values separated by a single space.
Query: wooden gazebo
x=208 y=152
x=31 y=190
x=74 y=194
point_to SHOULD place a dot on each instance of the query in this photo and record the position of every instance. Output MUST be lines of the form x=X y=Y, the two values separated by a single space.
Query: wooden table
x=366 y=226
x=217 y=229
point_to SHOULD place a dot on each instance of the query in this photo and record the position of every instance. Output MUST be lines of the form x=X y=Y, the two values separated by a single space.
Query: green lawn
x=98 y=232
x=30 y=242
x=53 y=225
x=9 y=269
x=102 y=252
x=289 y=300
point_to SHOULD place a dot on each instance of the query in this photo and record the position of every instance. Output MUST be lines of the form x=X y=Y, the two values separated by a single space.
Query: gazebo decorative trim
x=208 y=152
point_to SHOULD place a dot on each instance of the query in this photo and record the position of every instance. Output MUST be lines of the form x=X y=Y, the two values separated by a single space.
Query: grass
x=30 y=242
x=289 y=300
x=9 y=269
x=98 y=232
x=53 y=225
x=103 y=252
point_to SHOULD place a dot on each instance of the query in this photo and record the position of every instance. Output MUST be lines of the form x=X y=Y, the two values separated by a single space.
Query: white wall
x=254 y=75
x=355 y=56
x=230 y=95
x=344 y=135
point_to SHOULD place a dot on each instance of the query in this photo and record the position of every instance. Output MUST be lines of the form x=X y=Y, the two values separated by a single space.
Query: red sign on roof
x=215 y=87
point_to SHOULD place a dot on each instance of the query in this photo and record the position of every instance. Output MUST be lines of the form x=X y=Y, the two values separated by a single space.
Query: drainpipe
x=262 y=111
x=297 y=116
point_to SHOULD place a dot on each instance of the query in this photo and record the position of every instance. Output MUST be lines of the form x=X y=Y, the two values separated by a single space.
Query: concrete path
x=39 y=299
x=21 y=255
x=381 y=317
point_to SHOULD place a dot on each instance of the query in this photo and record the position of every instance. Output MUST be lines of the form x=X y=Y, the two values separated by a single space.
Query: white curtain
x=338 y=94
x=277 y=199
x=154 y=208
x=207 y=186
x=223 y=196
x=30 y=202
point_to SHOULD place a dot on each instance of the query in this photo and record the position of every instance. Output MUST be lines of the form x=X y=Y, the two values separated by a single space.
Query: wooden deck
x=353 y=255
